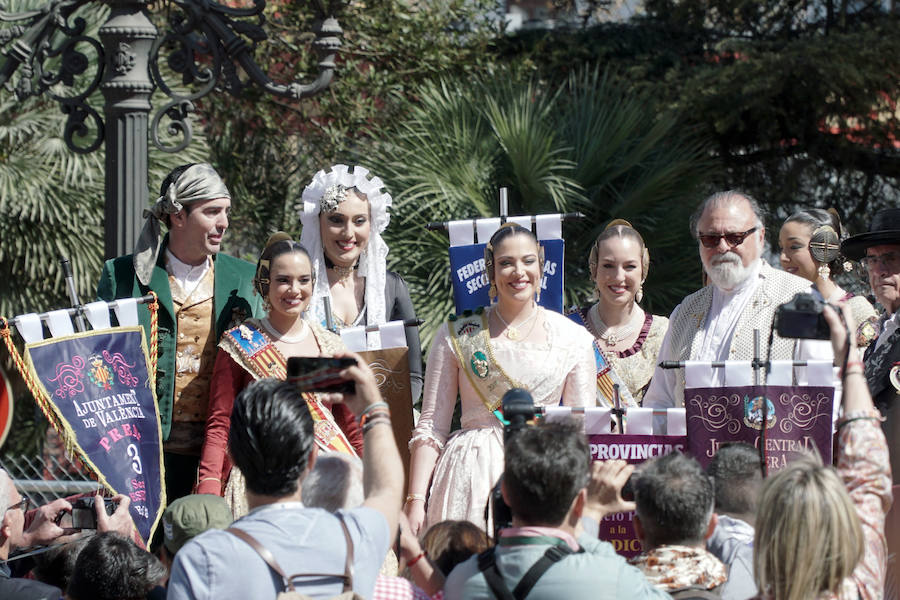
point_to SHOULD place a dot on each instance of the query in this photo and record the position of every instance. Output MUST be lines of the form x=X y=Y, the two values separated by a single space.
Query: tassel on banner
x=40 y=398
x=153 y=306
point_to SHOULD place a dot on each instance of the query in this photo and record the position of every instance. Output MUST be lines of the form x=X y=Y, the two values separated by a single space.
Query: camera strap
x=488 y=566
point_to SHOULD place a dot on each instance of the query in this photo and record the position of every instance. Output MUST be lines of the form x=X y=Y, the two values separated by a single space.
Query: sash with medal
x=470 y=338
x=255 y=352
x=606 y=375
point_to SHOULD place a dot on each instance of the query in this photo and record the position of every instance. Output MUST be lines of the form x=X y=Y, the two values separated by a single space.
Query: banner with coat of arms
x=99 y=387
x=97 y=390
x=798 y=419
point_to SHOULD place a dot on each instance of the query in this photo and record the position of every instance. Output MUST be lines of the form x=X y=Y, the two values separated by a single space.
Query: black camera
x=802 y=317
x=83 y=515
x=518 y=409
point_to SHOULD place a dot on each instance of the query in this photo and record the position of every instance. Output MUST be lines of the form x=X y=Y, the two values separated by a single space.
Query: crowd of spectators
x=332 y=525
x=326 y=525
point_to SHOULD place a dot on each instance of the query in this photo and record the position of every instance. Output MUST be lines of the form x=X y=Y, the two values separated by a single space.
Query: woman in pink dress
x=512 y=344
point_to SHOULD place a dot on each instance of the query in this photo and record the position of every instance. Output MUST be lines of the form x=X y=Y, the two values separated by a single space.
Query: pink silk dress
x=471 y=459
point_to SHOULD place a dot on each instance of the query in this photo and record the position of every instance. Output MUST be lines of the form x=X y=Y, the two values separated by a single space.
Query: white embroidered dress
x=471 y=459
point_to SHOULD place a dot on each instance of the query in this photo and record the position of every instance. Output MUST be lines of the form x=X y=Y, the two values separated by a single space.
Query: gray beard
x=728 y=274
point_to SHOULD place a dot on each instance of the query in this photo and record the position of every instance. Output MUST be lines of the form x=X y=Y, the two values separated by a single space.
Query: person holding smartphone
x=260 y=348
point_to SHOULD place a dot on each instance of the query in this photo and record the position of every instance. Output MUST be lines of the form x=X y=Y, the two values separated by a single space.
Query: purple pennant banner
x=799 y=420
x=99 y=388
x=618 y=529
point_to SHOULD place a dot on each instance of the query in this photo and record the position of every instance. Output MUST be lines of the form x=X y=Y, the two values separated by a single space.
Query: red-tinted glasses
x=711 y=240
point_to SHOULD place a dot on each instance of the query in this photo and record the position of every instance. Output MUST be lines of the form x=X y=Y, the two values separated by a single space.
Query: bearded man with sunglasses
x=717 y=322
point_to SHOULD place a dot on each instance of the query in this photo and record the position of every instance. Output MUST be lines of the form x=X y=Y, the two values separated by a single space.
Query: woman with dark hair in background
x=344 y=212
x=259 y=348
x=512 y=344
x=810 y=242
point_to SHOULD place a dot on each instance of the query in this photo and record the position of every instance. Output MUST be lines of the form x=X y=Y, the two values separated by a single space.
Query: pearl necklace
x=278 y=337
x=613 y=335
x=512 y=332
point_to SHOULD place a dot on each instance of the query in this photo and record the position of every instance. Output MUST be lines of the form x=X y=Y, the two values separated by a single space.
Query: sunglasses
x=711 y=240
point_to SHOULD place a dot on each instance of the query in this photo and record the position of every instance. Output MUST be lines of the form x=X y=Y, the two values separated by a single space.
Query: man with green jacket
x=201 y=294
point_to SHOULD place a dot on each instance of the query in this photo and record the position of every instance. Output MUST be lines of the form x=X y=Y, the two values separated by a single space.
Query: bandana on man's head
x=198 y=182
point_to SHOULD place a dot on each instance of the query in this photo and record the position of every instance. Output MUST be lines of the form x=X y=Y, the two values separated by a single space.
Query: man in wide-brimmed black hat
x=879 y=251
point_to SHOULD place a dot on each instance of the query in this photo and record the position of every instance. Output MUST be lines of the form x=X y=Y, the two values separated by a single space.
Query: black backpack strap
x=488 y=566
x=696 y=593
x=554 y=554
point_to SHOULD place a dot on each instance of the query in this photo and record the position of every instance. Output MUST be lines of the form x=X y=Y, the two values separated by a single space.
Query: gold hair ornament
x=263 y=266
x=825 y=244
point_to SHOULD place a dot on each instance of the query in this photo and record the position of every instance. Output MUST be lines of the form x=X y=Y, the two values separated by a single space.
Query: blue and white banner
x=470 y=281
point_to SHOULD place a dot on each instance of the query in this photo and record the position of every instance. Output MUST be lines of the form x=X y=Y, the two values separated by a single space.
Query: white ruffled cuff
x=426 y=438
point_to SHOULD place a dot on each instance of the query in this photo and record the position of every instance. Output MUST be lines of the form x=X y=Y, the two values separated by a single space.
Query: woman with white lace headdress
x=344 y=211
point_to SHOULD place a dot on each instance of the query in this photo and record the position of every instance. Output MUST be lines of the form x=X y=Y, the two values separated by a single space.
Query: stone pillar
x=127 y=39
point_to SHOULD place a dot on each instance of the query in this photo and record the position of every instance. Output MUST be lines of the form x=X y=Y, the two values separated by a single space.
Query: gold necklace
x=512 y=332
x=344 y=273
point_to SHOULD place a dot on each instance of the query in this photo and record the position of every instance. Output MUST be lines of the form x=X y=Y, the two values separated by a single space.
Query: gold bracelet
x=411 y=497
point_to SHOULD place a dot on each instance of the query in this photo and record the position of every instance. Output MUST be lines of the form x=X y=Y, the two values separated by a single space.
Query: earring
x=537 y=295
x=492 y=291
x=824 y=271
x=267 y=306
x=640 y=294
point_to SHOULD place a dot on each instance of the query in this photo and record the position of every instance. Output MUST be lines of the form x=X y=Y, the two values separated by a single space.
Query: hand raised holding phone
x=343 y=378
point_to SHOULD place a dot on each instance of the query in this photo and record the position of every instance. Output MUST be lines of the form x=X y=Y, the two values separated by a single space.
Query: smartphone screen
x=320 y=374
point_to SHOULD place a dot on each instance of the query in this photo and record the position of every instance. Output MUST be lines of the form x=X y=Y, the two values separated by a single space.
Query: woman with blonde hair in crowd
x=819 y=529
x=810 y=242
x=625 y=337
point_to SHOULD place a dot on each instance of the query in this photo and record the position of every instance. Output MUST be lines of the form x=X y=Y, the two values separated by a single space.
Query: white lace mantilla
x=373 y=260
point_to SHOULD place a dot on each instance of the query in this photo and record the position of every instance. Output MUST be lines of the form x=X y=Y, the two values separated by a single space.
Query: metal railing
x=44 y=479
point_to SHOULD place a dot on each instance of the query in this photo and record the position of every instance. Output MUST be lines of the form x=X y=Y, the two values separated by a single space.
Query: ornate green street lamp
x=207 y=44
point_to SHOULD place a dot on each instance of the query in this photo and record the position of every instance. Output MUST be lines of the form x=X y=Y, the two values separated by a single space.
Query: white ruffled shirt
x=187 y=276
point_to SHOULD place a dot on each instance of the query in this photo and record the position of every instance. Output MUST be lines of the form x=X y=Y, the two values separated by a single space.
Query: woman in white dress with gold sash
x=513 y=343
